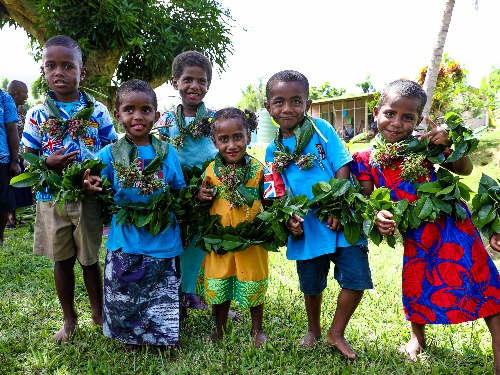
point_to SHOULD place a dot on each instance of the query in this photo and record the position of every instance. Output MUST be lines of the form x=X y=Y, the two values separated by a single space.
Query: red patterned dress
x=448 y=276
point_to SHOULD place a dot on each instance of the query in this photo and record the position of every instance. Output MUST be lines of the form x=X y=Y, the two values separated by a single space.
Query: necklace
x=193 y=129
x=303 y=134
x=76 y=126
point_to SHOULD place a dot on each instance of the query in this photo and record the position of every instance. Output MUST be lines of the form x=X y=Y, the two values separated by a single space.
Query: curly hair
x=188 y=59
x=287 y=76
x=404 y=88
x=248 y=118
x=66 y=41
x=135 y=85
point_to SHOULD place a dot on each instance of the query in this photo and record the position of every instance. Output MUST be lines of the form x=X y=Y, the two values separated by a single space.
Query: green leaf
x=25 y=179
x=352 y=232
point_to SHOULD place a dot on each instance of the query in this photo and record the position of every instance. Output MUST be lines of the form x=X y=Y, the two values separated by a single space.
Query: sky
x=340 y=42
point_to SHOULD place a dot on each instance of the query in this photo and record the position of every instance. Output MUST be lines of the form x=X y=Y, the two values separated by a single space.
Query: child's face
x=137 y=115
x=192 y=85
x=397 y=118
x=287 y=105
x=62 y=70
x=231 y=139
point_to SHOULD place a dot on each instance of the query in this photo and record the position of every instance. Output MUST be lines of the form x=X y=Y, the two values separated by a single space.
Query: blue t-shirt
x=129 y=238
x=194 y=151
x=318 y=239
x=8 y=114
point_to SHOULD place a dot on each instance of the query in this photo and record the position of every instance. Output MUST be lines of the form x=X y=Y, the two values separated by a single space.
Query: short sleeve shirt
x=8 y=114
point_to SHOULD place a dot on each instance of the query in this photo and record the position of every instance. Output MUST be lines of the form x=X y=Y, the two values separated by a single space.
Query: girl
x=448 y=276
x=142 y=282
x=240 y=276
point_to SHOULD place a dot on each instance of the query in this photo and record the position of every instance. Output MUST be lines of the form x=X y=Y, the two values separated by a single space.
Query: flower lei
x=193 y=129
x=303 y=134
x=76 y=126
x=385 y=154
x=233 y=182
x=126 y=164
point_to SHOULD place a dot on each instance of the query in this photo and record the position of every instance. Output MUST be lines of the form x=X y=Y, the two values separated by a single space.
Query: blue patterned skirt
x=141 y=299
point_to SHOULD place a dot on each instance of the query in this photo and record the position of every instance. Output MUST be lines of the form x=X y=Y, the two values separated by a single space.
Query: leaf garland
x=155 y=216
x=64 y=186
x=340 y=199
x=486 y=206
x=268 y=229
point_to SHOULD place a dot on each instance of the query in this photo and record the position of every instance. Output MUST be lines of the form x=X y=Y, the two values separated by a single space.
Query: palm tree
x=437 y=55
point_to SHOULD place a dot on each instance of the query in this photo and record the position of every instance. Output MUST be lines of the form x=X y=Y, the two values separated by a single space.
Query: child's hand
x=495 y=242
x=384 y=223
x=205 y=194
x=294 y=224
x=91 y=183
x=333 y=223
x=437 y=135
x=57 y=161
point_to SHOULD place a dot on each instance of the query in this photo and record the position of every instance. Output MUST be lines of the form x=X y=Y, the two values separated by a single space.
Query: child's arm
x=91 y=183
x=205 y=194
x=495 y=242
x=294 y=224
x=439 y=136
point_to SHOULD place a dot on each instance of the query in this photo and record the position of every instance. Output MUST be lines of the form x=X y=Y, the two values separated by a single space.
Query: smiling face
x=192 y=86
x=231 y=139
x=63 y=72
x=137 y=115
x=397 y=118
x=287 y=104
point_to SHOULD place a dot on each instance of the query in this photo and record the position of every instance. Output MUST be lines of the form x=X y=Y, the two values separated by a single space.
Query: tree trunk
x=437 y=55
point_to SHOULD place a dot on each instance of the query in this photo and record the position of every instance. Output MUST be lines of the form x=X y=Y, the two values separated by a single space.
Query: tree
x=366 y=86
x=253 y=96
x=325 y=91
x=4 y=84
x=124 y=39
x=490 y=89
x=437 y=54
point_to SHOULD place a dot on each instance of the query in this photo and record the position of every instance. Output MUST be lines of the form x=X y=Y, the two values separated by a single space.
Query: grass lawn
x=30 y=314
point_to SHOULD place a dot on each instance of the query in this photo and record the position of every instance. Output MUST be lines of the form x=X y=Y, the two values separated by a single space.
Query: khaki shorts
x=76 y=230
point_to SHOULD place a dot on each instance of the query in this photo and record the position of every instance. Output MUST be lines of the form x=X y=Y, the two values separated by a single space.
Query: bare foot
x=97 y=320
x=66 y=331
x=259 y=338
x=411 y=348
x=309 y=340
x=340 y=343
x=234 y=316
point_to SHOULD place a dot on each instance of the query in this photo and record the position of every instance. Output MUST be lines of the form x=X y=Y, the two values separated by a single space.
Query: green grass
x=30 y=314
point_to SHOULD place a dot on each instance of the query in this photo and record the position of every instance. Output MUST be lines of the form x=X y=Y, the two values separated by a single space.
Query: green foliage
x=366 y=85
x=325 y=91
x=268 y=229
x=253 y=97
x=490 y=92
x=486 y=206
x=5 y=83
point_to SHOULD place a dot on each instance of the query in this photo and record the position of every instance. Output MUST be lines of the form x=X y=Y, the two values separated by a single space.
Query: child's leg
x=493 y=323
x=64 y=278
x=417 y=341
x=313 y=310
x=347 y=303
x=220 y=312
x=93 y=282
x=257 y=313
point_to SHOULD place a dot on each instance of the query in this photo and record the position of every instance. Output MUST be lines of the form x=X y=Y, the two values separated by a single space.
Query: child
x=448 y=276
x=191 y=76
x=141 y=283
x=318 y=155
x=240 y=276
x=76 y=232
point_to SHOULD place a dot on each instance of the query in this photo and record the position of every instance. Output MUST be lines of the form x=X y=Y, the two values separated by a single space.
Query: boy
x=191 y=76
x=318 y=155
x=76 y=231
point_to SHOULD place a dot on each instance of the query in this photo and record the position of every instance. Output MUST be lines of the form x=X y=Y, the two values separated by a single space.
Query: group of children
x=446 y=266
